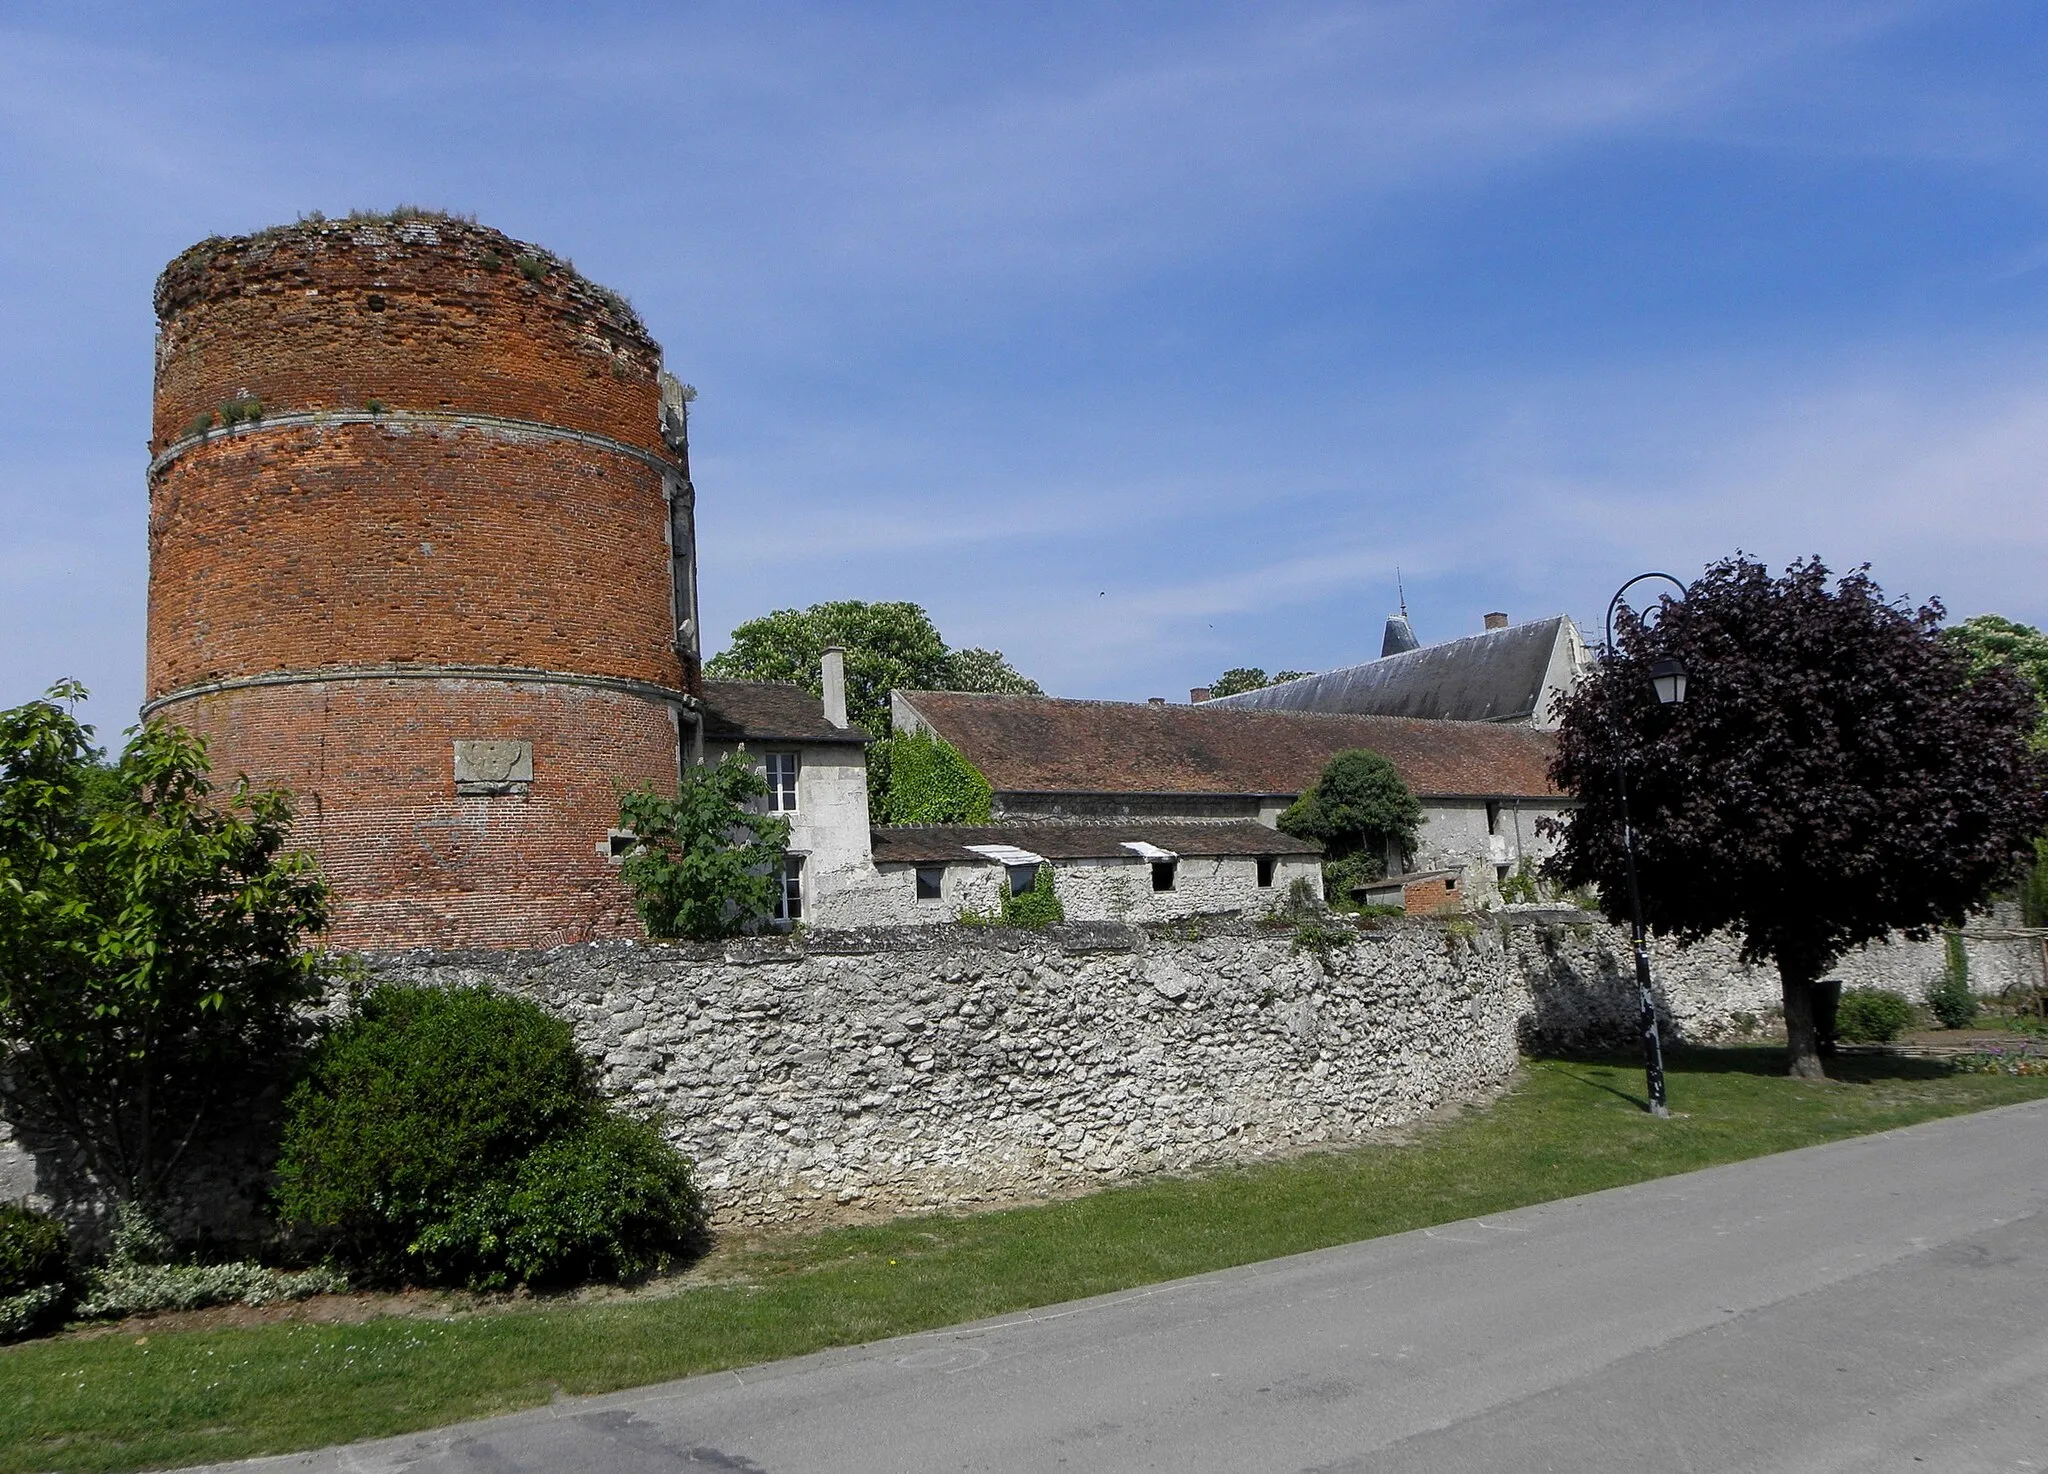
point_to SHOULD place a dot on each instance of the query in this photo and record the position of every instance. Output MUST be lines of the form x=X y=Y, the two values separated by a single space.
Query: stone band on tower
x=422 y=549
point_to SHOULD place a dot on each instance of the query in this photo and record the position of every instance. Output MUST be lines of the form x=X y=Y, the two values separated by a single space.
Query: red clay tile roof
x=947 y=843
x=1039 y=744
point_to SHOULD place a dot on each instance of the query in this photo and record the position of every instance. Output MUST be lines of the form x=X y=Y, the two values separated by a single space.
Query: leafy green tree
x=1835 y=773
x=707 y=863
x=974 y=669
x=1242 y=678
x=1359 y=808
x=889 y=646
x=927 y=781
x=1993 y=641
x=152 y=944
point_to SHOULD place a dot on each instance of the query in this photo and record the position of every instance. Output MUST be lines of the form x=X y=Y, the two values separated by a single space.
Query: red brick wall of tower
x=451 y=520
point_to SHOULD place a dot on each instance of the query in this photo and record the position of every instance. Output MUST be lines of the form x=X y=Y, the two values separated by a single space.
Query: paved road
x=1876 y=1304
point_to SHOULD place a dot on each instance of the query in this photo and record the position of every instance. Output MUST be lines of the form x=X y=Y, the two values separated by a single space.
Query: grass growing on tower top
x=1570 y=1127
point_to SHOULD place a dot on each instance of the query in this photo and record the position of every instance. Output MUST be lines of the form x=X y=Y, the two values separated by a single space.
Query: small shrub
x=40 y=1309
x=1323 y=939
x=491 y=260
x=236 y=411
x=375 y=406
x=1873 y=1015
x=1745 y=1023
x=530 y=266
x=34 y=1250
x=1519 y=889
x=201 y=423
x=1038 y=907
x=1950 y=998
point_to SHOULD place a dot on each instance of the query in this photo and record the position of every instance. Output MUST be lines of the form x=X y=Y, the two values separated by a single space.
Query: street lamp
x=1667 y=679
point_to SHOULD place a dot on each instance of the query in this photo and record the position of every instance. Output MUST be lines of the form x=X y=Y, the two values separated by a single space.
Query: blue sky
x=1137 y=341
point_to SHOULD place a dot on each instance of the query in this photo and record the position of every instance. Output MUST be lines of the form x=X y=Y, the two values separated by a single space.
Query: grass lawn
x=1570 y=1127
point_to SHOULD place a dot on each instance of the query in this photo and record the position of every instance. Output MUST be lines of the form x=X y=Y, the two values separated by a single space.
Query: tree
x=1358 y=808
x=152 y=958
x=1992 y=640
x=1239 y=679
x=889 y=646
x=707 y=864
x=1835 y=773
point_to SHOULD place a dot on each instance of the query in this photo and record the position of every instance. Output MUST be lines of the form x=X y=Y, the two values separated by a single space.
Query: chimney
x=834 y=668
x=1199 y=694
x=1155 y=701
x=1496 y=621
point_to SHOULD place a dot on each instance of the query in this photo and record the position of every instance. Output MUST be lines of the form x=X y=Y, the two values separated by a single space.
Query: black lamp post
x=1667 y=679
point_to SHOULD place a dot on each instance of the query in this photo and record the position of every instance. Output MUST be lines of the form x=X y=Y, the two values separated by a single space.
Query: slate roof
x=1041 y=744
x=768 y=711
x=936 y=844
x=1496 y=676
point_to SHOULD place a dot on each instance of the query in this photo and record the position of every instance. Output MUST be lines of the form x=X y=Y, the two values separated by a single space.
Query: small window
x=781 y=774
x=1493 y=816
x=1267 y=864
x=1162 y=874
x=931 y=879
x=1022 y=878
x=619 y=843
x=790 y=906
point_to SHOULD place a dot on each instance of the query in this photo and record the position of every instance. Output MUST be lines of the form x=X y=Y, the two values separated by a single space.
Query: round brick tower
x=422 y=550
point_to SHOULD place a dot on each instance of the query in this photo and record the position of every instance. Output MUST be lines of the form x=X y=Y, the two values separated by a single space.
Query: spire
x=1400 y=634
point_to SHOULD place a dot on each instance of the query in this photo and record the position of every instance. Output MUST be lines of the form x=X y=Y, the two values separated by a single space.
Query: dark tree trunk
x=1802 y=1038
x=1827 y=1002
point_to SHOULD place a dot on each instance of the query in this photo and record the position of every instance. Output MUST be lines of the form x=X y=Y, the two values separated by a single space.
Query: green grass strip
x=1571 y=1127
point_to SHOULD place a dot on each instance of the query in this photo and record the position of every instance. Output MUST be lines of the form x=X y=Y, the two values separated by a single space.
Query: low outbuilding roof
x=1042 y=744
x=768 y=711
x=932 y=844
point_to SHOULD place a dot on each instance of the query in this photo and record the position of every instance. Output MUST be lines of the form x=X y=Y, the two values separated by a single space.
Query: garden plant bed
x=209 y=1386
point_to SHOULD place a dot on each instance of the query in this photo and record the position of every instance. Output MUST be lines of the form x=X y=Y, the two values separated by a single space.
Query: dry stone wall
x=949 y=1066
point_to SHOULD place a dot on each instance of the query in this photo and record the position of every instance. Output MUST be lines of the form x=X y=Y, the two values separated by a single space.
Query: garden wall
x=859 y=1073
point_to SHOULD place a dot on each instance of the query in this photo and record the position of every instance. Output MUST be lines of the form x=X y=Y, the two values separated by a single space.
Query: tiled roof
x=1492 y=677
x=947 y=843
x=1039 y=744
x=768 y=711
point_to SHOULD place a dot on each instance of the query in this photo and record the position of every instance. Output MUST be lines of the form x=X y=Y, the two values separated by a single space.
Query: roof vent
x=1399 y=638
x=1496 y=621
x=1155 y=701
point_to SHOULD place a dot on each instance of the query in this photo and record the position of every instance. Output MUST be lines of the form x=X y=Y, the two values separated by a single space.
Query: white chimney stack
x=834 y=667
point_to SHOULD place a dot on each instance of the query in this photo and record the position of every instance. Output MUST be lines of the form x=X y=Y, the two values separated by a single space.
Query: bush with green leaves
x=153 y=966
x=35 y=1271
x=1872 y=1015
x=1359 y=808
x=458 y=1136
x=34 y=1250
x=1950 y=998
x=708 y=863
x=1038 y=907
x=929 y=782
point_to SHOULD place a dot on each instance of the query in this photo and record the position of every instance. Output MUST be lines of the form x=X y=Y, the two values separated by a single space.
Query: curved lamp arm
x=1615 y=602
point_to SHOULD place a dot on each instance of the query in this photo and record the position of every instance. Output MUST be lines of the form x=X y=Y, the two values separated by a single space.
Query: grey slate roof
x=768 y=711
x=1492 y=677
x=935 y=844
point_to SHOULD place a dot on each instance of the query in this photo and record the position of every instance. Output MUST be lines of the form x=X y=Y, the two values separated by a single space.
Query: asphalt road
x=1877 y=1304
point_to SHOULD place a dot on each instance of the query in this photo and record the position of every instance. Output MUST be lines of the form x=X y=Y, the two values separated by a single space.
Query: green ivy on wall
x=924 y=780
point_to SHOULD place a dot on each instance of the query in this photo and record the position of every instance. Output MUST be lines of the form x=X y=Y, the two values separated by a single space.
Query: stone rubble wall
x=876 y=1072
x=941 y=1067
